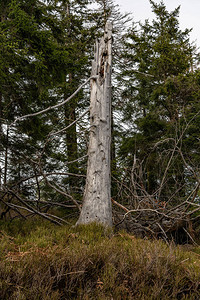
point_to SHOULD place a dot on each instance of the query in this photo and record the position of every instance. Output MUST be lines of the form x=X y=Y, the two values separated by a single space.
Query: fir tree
x=157 y=97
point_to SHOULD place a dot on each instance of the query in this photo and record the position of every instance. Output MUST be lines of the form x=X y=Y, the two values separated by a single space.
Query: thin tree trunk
x=71 y=139
x=6 y=158
x=70 y=115
x=1 y=139
x=114 y=185
x=97 y=197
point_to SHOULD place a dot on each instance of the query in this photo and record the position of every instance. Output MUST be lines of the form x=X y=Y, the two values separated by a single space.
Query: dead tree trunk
x=97 y=197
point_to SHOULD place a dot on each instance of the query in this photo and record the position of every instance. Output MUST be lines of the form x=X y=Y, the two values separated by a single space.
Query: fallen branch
x=119 y=205
x=52 y=203
x=30 y=208
x=61 y=191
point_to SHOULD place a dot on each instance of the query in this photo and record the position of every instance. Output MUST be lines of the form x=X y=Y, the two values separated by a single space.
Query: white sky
x=189 y=13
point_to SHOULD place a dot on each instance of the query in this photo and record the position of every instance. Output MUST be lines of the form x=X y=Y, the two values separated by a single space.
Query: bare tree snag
x=97 y=196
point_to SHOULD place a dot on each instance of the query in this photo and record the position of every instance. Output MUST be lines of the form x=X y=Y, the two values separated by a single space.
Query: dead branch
x=45 y=215
x=119 y=205
x=14 y=208
x=54 y=106
x=61 y=191
x=30 y=208
x=190 y=237
x=50 y=203
x=74 y=122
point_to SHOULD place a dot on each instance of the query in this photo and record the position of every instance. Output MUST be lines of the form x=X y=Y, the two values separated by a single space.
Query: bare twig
x=166 y=238
x=74 y=122
x=190 y=237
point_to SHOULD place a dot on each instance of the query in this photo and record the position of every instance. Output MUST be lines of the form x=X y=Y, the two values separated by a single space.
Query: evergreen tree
x=32 y=61
x=157 y=100
x=77 y=38
x=45 y=55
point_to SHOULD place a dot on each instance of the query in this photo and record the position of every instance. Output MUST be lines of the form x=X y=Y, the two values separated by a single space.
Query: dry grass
x=41 y=261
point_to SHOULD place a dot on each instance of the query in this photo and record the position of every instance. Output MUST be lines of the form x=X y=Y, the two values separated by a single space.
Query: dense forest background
x=46 y=53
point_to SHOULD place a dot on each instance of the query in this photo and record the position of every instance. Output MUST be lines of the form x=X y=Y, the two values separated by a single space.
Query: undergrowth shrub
x=42 y=261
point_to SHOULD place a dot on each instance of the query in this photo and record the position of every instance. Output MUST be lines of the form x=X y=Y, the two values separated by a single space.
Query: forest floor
x=39 y=260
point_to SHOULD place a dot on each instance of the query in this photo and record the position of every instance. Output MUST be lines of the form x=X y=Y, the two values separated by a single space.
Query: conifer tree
x=157 y=102
x=32 y=58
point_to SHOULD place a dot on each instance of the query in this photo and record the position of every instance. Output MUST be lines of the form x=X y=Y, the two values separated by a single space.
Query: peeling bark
x=97 y=197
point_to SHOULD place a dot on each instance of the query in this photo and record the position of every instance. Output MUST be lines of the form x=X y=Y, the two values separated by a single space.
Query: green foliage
x=161 y=103
x=44 y=56
x=89 y=262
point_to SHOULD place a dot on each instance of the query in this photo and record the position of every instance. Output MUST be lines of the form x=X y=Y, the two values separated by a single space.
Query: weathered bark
x=97 y=197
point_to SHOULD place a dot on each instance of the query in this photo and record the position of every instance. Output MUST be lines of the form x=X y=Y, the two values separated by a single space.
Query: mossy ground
x=39 y=260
